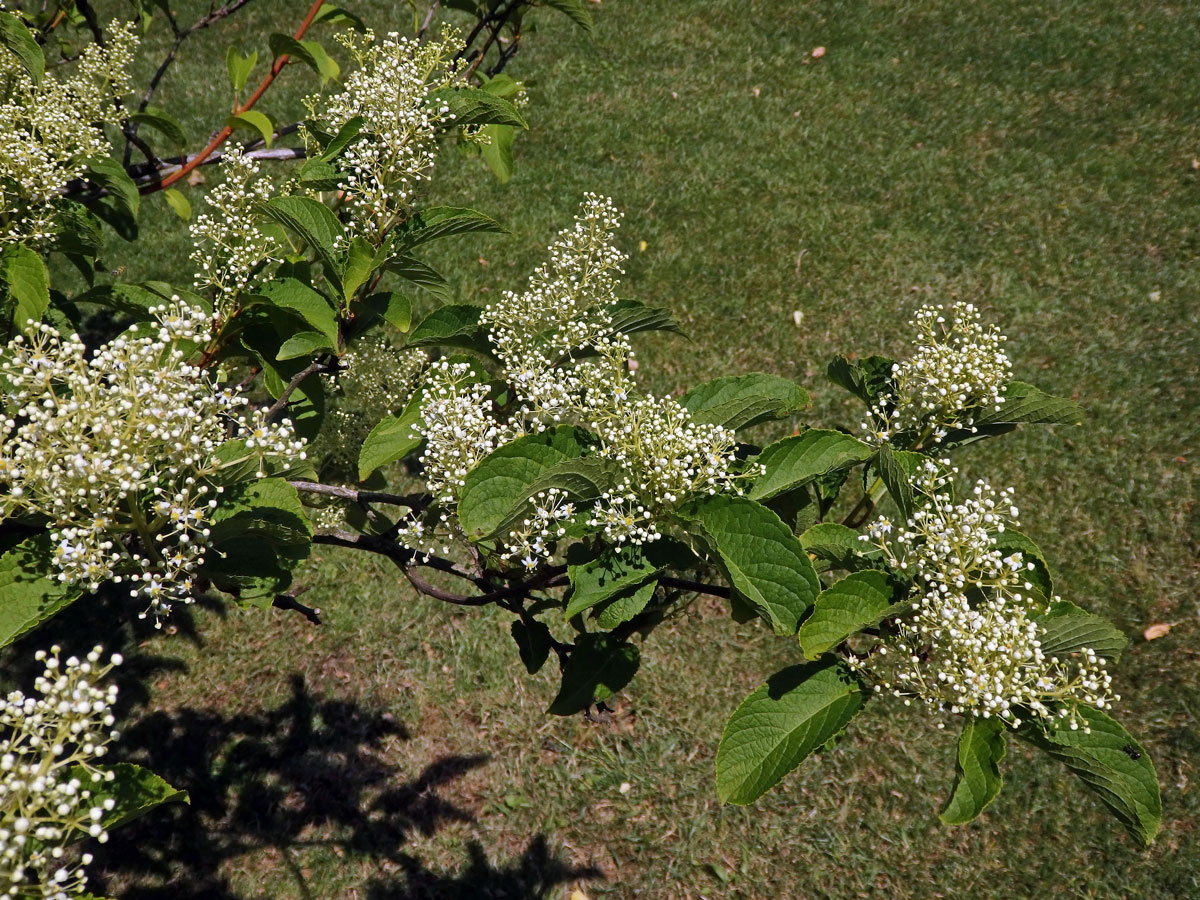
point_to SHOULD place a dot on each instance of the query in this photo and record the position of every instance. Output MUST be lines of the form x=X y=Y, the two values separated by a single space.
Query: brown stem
x=281 y=402
x=356 y=496
x=224 y=133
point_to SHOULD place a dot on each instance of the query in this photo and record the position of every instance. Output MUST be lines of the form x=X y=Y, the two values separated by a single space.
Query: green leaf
x=763 y=559
x=178 y=202
x=130 y=300
x=624 y=606
x=1067 y=628
x=239 y=68
x=473 y=106
x=1009 y=542
x=286 y=45
x=326 y=66
x=109 y=175
x=335 y=15
x=896 y=468
x=76 y=230
x=29 y=593
x=391 y=306
x=858 y=601
x=456 y=325
x=1025 y=403
x=297 y=297
x=835 y=544
x=575 y=10
x=866 y=379
x=27 y=284
x=798 y=710
x=253 y=120
x=799 y=459
x=420 y=274
x=352 y=128
x=313 y=222
x=321 y=176
x=738 y=401
x=445 y=221
x=497 y=152
x=533 y=643
x=597 y=668
x=19 y=41
x=977 y=778
x=268 y=508
x=162 y=122
x=392 y=439
x=603 y=577
x=633 y=317
x=303 y=343
x=582 y=480
x=503 y=479
x=134 y=791
x=361 y=262
x=1111 y=763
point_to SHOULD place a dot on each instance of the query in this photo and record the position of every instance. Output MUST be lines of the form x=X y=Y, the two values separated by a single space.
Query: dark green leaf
x=835 y=544
x=603 y=577
x=420 y=274
x=798 y=710
x=27 y=284
x=303 y=343
x=977 y=778
x=340 y=141
x=313 y=222
x=739 y=401
x=866 y=379
x=575 y=10
x=456 y=325
x=762 y=558
x=439 y=222
x=392 y=439
x=799 y=459
x=597 y=668
x=297 y=297
x=858 y=601
x=391 y=306
x=633 y=316
x=162 y=122
x=473 y=106
x=76 y=230
x=1025 y=403
x=624 y=606
x=1066 y=628
x=533 y=643
x=321 y=176
x=134 y=791
x=108 y=174
x=19 y=41
x=498 y=153
x=1111 y=763
x=896 y=468
x=29 y=592
x=1009 y=542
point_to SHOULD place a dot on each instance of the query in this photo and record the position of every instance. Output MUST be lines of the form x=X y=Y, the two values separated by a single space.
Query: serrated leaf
x=762 y=558
x=352 y=128
x=131 y=300
x=798 y=710
x=497 y=152
x=456 y=325
x=797 y=460
x=858 y=601
x=474 y=106
x=27 y=284
x=109 y=175
x=392 y=439
x=162 y=122
x=503 y=479
x=533 y=643
x=391 y=306
x=575 y=10
x=303 y=343
x=321 y=176
x=977 y=778
x=29 y=593
x=1066 y=628
x=76 y=230
x=598 y=579
x=361 y=262
x=896 y=468
x=439 y=222
x=286 y=45
x=255 y=121
x=134 y=792
x=314 y=223
x=1111 y=763
x=1026 y=403
x=834 y=543
x=633 y=316
x=297 y=297
x=624 y=606
x=178 y=202
x=335 y=15
x=268 y=508
x=865 y=379
x=419 y=273
x=582 y=480
x=597 y=668
x=739 y=401
x=19 y=41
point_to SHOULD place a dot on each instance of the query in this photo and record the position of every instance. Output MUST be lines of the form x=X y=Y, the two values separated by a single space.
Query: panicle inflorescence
x=565 y=362
x=972 y=643
x=51 y=129
x=50 y=792
x=229 y=245
x=390 y=90
x=958 y=370
x=118 y=451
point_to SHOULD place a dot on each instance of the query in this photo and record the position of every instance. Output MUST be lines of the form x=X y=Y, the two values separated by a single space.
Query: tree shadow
x=310 y=772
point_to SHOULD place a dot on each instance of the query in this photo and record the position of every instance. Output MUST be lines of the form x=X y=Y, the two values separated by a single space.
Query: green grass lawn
x=1037 y=160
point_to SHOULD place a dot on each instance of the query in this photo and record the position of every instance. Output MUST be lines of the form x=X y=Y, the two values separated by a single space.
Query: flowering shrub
x=233 y=425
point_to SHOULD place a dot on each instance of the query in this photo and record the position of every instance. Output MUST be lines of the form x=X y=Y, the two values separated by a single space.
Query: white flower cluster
x=229 y=245
x=116 y=451
x=51 y=129
x=972 y=644
x=959 y=369
x=565 y=363
x=46 y=744
x=390 y=91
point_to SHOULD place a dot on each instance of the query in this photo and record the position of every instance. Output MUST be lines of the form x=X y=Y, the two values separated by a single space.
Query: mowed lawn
x=1038 y=160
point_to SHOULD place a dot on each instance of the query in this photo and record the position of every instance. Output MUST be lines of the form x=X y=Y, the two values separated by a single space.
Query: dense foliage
x=499 y=454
